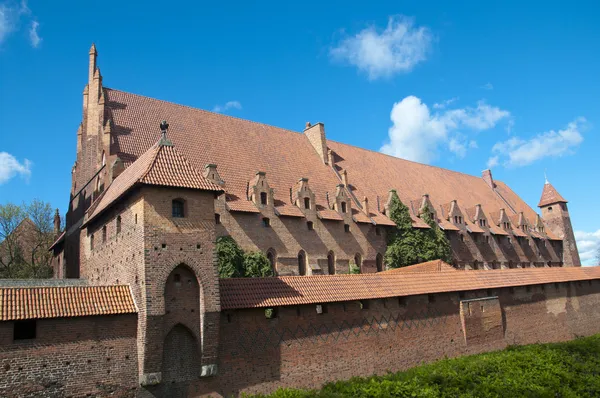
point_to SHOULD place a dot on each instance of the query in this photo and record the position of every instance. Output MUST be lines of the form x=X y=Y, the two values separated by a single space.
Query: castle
x=137 y=305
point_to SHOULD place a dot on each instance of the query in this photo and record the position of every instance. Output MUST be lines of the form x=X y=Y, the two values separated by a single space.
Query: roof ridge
x=206 y=111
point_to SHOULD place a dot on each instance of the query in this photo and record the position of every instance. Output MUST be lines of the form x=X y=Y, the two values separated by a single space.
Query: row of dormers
x=449 y=216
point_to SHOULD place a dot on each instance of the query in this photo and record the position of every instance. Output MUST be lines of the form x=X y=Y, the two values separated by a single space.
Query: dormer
x=211 y=174
x=539 y=224
x=503 y=221
x=303 y=197
x=455 y=215
x=259 y=191
x=478 y=217
x=520 y=222
x=424 y=205
x=343 y=203
x=386 y=206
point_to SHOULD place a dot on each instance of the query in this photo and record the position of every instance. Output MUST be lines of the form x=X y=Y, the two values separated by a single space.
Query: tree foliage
x=234 y=263
x=26 y=233
x=408 y=245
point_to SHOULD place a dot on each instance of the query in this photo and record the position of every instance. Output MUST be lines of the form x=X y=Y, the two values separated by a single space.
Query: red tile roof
x=64 y=301
x=550 y=195
x=159 y=165
x=240 y=148
x=429 y=266
x=295 y=290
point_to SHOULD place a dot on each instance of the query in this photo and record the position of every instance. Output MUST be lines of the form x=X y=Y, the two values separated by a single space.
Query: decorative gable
x=259 y=191
x=211 y=174
x=303 y=197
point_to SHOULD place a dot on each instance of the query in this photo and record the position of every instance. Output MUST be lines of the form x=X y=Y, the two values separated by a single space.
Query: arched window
x=379 y=262
x=118 y=224
x=307 y=203
x=331 y=263
x=358 y=261
x=343 y=205
x=178 y=208
x=272 y=256
x=302 y=262
x=263 y=198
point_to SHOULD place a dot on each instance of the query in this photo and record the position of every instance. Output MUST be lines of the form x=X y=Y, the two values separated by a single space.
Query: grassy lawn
x=569 y=369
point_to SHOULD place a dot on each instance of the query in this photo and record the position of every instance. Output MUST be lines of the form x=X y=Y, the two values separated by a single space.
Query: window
x=307 y=203
x=266 y=222
x=487 y=239
x=321 y=309
x=331 y=263
x=310 y=225
x=358 y=261
x=377 y=231
x=104 y=234
x=271 y=258
x=263 y=198
x=302 y=262
x=431 y=298
x=217 y=218
x=24 y=330
x=550 y=209
x=379 y=262
x=92 y=242
x=460 y=219
x=178 y=208
x=118 y=224
x=462 y=238
x=455 y=219
x=346 y=228
x=343 y=205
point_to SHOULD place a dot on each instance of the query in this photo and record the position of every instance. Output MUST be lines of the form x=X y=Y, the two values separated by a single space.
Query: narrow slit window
x=263 y=198
x=343 y=205
x=307 y=203
x=118 y=225
x=217 y=218
x=310 y=225
x=266 y=222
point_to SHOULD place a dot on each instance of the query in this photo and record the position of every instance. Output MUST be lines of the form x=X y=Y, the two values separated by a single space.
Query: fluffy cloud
x=517 y=152
x=10 y=167
x=34 y=37
x=417 y=133
x=383 y=54
x=228 y=105
x=11 y=14
x=588 y=244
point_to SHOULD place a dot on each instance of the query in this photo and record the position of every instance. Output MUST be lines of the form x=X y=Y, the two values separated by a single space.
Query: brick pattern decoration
x=71 y=357
x=64 y=301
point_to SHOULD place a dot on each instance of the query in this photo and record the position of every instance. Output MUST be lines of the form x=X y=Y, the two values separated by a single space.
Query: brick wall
x=71 y=357
x=302 y=348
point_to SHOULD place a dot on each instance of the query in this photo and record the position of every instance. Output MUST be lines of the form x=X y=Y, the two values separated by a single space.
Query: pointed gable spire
x=550 y=196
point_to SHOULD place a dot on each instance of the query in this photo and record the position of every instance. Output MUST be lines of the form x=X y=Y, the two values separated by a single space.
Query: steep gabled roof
x=550 y=195
x=160 y=165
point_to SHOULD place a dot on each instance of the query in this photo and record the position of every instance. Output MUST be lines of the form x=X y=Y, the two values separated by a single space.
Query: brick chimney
x=365 y=206
x=487 y=177
x=316 y=136
x=345 y=177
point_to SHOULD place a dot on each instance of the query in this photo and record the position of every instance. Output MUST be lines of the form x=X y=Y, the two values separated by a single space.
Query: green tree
x=230 y=258
x=256 y=264
x=408 y=245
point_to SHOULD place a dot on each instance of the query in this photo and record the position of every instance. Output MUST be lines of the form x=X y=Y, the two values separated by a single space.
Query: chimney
x=316 y=136
x=56 y=222
x=365 y=206
x=116 y=169
x=330 y=157
x=345 y=177
x=487 y=177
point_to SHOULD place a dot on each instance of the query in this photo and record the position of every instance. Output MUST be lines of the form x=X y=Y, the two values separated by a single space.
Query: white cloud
x=11 y=14
x=10 y=167
x=444 y=104
x=228 y=105
x=34 y=37
x=397 y=49
x=588 y=244
x=519 y=152
x=487 y=86
x=493 y=162
x=417 y=134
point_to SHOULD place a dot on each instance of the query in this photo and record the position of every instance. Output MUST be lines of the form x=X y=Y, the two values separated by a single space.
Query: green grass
x=570 y=369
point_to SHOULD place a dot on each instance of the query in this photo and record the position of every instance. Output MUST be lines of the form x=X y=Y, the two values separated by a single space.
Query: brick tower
x=555 y=214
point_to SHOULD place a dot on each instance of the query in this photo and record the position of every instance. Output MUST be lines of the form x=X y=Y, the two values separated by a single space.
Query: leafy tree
x=256 y=264
x=230 y=258
x=354 y=269
x=26 y=233
x=234 y=263
x=407 y=245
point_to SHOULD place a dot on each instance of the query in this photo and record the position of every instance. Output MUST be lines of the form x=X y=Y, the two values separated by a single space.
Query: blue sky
x=460 y=85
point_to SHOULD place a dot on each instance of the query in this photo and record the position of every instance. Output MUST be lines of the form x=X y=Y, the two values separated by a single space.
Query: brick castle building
x=137 y=260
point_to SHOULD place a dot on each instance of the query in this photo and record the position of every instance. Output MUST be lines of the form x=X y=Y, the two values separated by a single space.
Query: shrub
x=256 y=264
x=234 y=263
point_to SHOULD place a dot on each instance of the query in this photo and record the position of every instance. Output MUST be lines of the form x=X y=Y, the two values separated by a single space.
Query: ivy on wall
x=233 y=262
x=407 y=245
